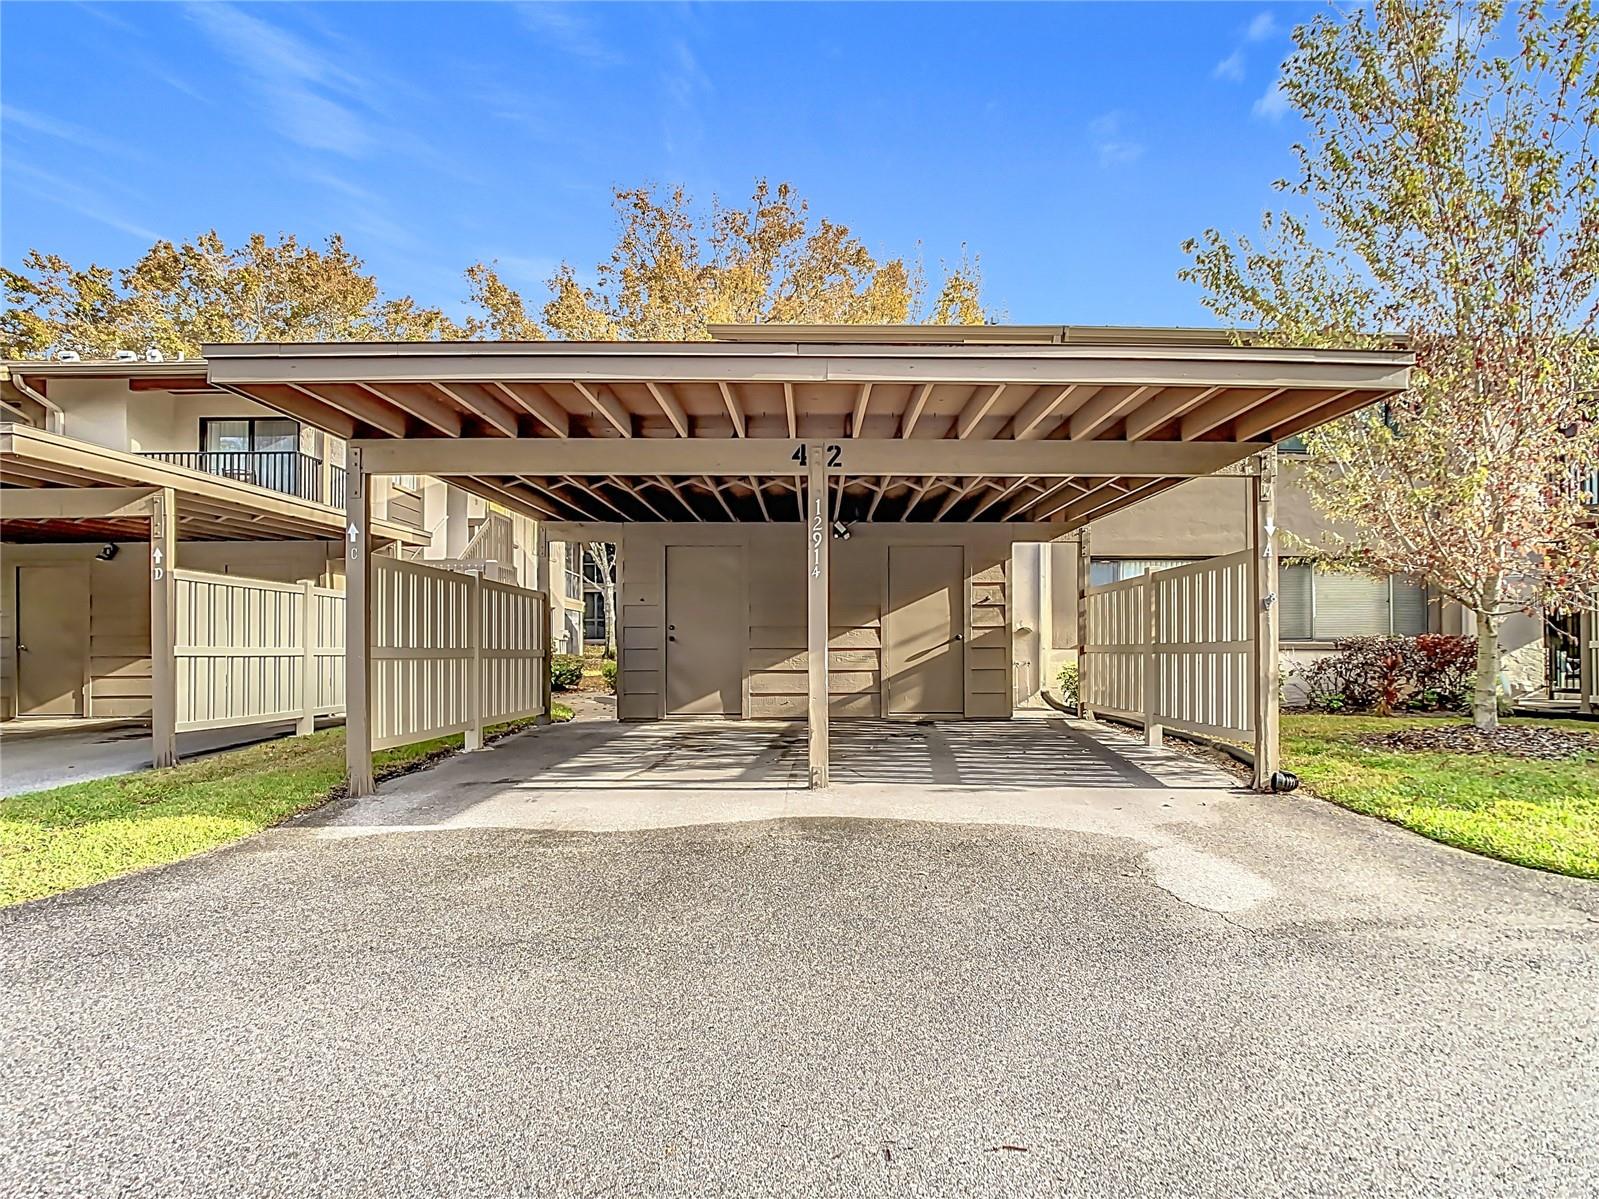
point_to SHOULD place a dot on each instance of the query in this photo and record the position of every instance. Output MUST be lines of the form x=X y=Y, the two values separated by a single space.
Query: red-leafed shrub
x=1443 y=668
x=1429 y=673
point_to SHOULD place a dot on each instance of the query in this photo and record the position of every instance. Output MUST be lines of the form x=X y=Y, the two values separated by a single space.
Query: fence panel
x=327 y=651
x=1174 y=648
x=1112 y=668
x=423 y=656
x=239 y=650
x=1203 y=649
x=514 y=646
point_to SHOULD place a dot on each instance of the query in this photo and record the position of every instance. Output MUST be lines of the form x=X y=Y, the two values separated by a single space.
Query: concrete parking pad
x=1146 y=983
x=62 y=753
x=604 y=776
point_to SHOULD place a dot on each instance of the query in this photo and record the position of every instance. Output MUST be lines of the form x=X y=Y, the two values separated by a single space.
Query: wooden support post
x=1153 y=733
x=541 y=570
x=163 y=629
x=473 y=738
x=1263 y=598
x=1587 y=656
x=358 y=626
x=1083 y=572
x=308 y=648
x=817 y=544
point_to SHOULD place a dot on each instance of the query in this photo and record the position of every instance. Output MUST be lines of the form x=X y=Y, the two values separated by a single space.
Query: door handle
x=960 y=637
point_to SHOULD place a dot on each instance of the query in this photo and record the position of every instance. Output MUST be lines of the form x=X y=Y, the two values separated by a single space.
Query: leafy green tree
x=1446 y=191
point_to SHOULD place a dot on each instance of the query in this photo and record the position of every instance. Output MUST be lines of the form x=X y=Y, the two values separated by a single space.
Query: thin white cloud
x=683 y=82
x=568 y=31
x=315 y=100
x=74 y=135
x=75 y=197
x=1231 y=67
x=1112 y=143
x=1262 y=27
x=1273 y=106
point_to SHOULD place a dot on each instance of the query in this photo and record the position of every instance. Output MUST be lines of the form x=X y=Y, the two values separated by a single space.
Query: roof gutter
x=55 y=420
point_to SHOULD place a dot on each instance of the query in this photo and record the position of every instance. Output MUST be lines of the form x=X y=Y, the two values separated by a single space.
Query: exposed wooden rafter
x=662 y=393
x=735 y=413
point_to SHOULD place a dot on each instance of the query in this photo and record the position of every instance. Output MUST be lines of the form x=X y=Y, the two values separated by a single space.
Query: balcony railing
x=286 y=471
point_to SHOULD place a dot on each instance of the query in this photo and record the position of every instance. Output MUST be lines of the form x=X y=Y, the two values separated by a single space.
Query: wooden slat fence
x=451 y=652
x=1172 y=649
x=251 y=651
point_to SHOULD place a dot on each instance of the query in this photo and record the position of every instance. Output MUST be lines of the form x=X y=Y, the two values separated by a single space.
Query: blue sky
x=1073 y=147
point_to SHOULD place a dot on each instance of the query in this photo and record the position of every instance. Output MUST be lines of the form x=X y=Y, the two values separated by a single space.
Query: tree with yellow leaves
x=671 y=274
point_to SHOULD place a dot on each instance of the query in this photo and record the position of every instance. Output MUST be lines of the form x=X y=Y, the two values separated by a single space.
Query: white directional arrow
x=156 y=555
x=355 y=533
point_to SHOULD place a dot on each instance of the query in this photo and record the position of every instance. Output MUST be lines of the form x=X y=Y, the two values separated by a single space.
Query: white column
x=1153 y=733
x=1263 y=596
x=358 y=627
x=817 y=539
x=308 y=647
x=473 y=738
x=163 y=629
x=1083 y=560
x=541 y=563
x=1587 y=634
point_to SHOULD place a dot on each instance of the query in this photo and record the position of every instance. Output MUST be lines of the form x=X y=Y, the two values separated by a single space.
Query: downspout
x=55 y=420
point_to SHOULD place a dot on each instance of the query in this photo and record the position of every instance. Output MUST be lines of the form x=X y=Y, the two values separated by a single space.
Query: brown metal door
x=705 y=630
x=925 y=630
x=52 y=639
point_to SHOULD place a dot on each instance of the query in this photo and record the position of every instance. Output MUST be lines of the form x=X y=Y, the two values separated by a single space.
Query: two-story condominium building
x=257 y=493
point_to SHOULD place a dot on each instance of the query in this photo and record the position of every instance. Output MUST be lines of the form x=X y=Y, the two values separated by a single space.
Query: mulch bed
x=1509 y=740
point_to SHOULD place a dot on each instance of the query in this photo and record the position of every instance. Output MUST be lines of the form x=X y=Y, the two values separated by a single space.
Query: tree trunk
x=1485 y=693
x=605 y=555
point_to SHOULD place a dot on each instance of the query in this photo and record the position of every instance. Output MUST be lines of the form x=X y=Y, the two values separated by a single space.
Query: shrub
x=566 y=671
x=1444 y=670
x=608 y=673
x=1382 y=674
x=1069 y=683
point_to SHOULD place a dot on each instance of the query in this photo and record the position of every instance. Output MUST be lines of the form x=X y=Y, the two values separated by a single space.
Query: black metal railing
x=286 y=471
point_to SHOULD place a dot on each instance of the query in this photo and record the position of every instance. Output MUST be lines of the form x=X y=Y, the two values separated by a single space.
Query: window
x=249 y=435
x=409 y=483
x=594 y=617
x=1115 y=570
x=1318 y=605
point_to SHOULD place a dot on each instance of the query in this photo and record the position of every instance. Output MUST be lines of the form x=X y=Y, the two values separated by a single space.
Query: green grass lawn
x=88 y=832
x=1539 y=814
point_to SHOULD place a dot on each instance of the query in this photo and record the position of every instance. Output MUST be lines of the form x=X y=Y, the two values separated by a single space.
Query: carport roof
x=933 y=422
x=43 y=472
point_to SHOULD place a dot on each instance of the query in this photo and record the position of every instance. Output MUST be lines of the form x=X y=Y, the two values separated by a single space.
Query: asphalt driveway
x=473 y=986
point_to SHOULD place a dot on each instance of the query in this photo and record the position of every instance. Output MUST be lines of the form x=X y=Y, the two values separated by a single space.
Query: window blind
x=1294 y=597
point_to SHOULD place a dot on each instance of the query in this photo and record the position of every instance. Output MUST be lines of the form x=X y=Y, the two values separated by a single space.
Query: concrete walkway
x=39 y=757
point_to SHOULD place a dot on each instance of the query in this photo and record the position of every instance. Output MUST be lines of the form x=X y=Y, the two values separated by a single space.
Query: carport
x=816 y=521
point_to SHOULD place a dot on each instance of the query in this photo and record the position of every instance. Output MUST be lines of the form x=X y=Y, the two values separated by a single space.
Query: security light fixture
x=840 y=530
x=107 y=552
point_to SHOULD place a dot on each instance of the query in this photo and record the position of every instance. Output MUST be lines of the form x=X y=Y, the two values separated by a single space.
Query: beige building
x=811 y=522
x=258 y=494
